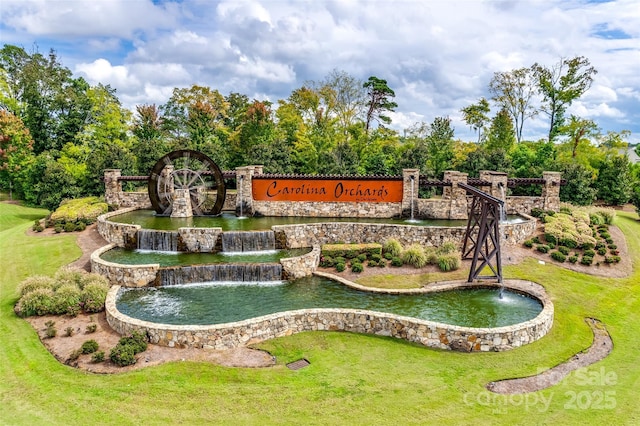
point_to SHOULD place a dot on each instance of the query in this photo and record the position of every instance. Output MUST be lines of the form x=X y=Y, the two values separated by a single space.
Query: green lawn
x=352 y=379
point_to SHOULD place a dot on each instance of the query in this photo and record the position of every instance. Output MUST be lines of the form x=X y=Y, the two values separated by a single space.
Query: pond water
x=223 y=302
x=147 y=219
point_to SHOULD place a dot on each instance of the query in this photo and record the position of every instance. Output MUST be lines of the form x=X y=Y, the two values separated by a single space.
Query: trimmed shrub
x=612 y=259
x=612 y=246
x=414 y=255
x=569 y=242
x=51 y=330
x=68 y=332
x=58 y=229
x=326 y=261
x=449 y=262
x=537 y=212
x=573 y=259
x=602 y=251
x=357 y=267
x=528 y=243
x=89 y=347
x=137 y=340
x=392 y=246
x=376 y=257
x=122 y=355
x=542 y=248
x=388 y=256
x=382 y=264
x=97 y=356
x=558 y=256
x=536 y=240
x=69 y=227
x=80 y=226
x=372 y=262
x=564 y=250
x=341 y=266
x=609 y=240
x=586 y=260
x=587 y=246
x=550 y=238
x=35 y=282
x=589 y=253
x=362 y=257
x=91 y=328
x=396 y=261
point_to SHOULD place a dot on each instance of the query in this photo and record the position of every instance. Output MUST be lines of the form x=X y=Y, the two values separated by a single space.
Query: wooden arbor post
x=484 y=225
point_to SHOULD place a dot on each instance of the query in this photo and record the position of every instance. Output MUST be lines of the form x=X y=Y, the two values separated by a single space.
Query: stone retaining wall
x=120 y=234
x=427 y=333
x=202 y=240
x=125 y=275
x=301 y=266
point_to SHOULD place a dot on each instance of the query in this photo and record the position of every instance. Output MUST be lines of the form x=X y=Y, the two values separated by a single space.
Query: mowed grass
x=352 y=379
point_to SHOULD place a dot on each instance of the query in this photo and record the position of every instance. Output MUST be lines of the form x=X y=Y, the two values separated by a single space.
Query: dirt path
x=601 y=347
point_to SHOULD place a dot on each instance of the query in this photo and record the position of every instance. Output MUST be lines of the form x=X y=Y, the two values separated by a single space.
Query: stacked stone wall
x=124 y=275
x=120 y=234
x=427 y=333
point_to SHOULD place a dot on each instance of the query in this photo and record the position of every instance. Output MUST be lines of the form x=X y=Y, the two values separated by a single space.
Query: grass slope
x=352 y=379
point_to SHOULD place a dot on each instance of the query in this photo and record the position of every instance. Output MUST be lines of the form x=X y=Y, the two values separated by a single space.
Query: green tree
x=614 y=181
x=439 y=145
x=579 y=188
x=476 y=116
x=150 y=142
x=378 y=101
x=560 y=85
x=579 y=132
x=16 y=151
x=514 y=92
x=501 y=135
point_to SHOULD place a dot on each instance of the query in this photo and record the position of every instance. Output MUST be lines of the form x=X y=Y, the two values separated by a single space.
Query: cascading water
x=251 y=272
x=157 y=240
x=503 y=210
x=239 y=241
x=412 y=179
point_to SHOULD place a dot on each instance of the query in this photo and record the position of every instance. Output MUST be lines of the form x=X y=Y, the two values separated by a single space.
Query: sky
x=438 y=56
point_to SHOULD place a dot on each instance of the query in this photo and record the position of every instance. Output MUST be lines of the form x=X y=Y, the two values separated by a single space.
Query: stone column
x=244 y=196
x=181 y=206
x=551 y=191
x=457 y=197
x=408 y=176
x=498 y=183
x=112 y=187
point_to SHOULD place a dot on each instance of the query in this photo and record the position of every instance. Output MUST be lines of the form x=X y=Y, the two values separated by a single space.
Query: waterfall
x=236 y=241
x=503 y=208
x=250 y=272
x=157 y=240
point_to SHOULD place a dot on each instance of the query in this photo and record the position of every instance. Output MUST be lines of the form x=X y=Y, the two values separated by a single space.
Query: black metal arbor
x=482 y=236
x=192 y=171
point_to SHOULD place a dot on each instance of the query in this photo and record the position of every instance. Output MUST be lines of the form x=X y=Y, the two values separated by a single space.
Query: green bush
x=357 y=267
x=414 y=255
x=122 y=355
x=80 y=226
x=612 y=259
x=89 y=347
x=93 y=296
x=34 y=282
x=568 y=242
x=542 y=248
x=393 y=247
x=66 y=300
x=137 y=340
x=388 y=256
x=376 y=257
x=602 y=251
x=612 y=246
x=326 y=261
x=372 y=263
x=97 y=356
x=339 y=259
x=558 y=256
x=609 y=240
x=362 y=257
x=51 y=330
x=589 y=253
x=35 y=302
x=58 y=229
x=84 y=210
x=69 y=275
x=69 y=227
x=341 y=266
x=449 y=262
x=536 y=240
x=91 y=328
x=564 y=250
x=447 y=248
x=396 y=261
x=586 y=260
x=587 y=246
x=573 y=259
x=68 y=332
x=382 y=264
x=528 y=243
x=537 y=212
x=550 y=238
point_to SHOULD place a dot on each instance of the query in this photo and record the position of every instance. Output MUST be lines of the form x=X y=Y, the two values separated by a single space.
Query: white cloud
x=438 y=56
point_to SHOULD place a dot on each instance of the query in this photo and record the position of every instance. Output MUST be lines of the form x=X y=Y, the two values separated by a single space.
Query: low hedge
x=351 y=251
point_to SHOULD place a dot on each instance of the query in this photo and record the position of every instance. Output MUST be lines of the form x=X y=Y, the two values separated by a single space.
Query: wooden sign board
x=328 y=190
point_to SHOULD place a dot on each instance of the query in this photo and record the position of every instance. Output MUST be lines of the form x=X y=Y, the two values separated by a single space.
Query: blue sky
x=438 y=56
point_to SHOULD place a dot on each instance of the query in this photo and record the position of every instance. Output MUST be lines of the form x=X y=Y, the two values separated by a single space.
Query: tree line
x=58 y=133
